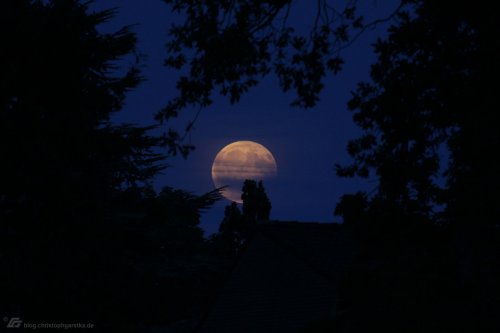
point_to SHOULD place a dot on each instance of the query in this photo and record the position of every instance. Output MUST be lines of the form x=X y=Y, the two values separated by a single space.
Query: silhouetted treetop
x=256 y=204
x=232 y=231
x=238 y=225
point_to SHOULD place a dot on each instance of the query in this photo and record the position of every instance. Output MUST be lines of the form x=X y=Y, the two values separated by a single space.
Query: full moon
x=239 y=161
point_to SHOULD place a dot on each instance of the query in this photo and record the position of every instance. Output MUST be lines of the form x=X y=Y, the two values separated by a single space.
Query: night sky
x=306 y=143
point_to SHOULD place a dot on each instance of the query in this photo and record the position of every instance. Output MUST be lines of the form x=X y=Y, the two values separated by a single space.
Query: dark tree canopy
x=433 y=87
x=82 y=236
x=60 y=83
x=227 y=47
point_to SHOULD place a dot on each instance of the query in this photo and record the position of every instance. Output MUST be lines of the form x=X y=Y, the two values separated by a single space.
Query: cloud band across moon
x=258 y=172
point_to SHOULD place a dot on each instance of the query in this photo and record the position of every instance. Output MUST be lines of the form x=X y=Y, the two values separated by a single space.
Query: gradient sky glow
x=305 y=143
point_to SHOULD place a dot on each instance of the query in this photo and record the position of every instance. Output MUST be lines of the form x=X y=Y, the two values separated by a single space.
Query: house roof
x=284 y=281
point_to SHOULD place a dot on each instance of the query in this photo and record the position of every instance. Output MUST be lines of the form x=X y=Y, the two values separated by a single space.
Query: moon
x=239 y=161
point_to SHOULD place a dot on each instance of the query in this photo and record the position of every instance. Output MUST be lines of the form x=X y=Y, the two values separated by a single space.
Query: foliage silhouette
x=256 y=204
x=83 y=238
x=80 y=226
x=226 y=47
x=237 y=226
x=431 y=88
x=231 y=236
x=170 y=264
x=60 y=86
x=352 y=207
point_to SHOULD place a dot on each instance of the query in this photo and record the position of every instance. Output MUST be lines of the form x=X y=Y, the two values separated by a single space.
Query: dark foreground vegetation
x=85 y=238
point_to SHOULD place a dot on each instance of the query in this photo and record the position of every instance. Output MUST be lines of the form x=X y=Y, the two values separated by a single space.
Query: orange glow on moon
x=239 y=161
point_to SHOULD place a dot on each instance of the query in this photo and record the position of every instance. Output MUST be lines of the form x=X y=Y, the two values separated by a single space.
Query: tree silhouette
x=226 y=47
x=352 y=207
x=60 y=84
x=76 y=220
x=431 y=90
x=83 y=235
x=168 y=264
x=231 y=235
x=237 y=226
x=256 y=204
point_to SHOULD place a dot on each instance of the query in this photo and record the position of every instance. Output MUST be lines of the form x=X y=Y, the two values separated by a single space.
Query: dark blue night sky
x=305 y=142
